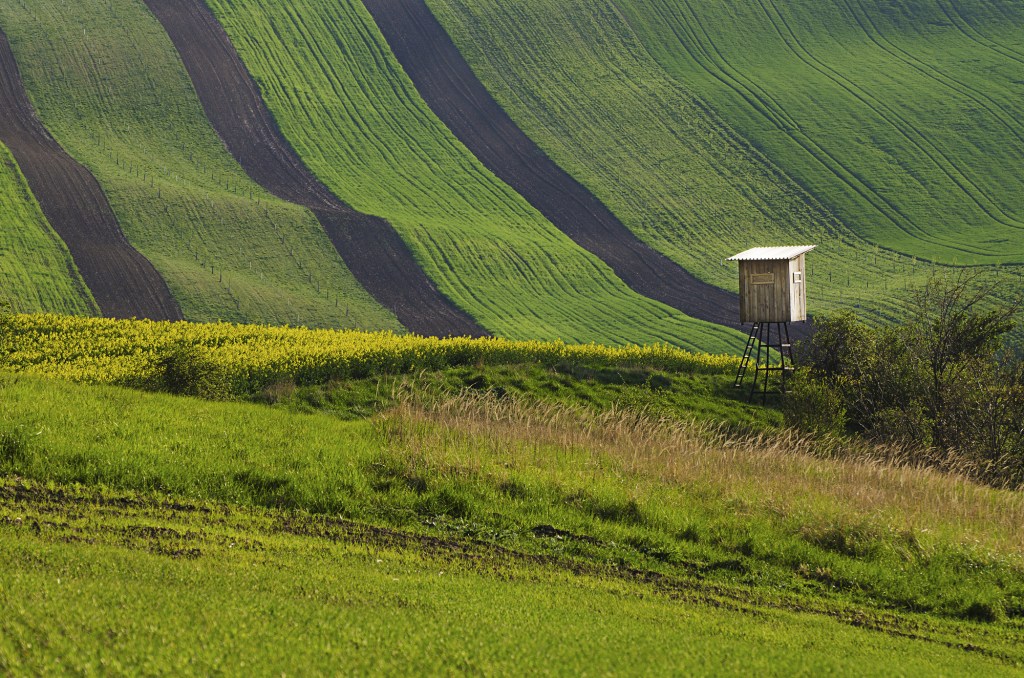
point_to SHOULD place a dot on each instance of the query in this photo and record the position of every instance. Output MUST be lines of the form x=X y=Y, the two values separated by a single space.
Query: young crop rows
x=343 y=102
x=112 y=91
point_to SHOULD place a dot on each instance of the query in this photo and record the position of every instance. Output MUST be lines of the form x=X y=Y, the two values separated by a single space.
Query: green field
x=111 y=89
x=146 y=532
x=36 y=270
x=899 y=116
x=689 y=166
x=252 y=595
x=343 y=102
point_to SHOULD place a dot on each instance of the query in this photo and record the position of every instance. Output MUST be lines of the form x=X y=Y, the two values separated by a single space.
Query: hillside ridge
x=371 y=249
x=123 y=282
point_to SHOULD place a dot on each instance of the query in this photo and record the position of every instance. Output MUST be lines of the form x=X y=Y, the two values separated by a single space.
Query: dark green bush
x=942 y=379
x=186 y=369
x=814 y=405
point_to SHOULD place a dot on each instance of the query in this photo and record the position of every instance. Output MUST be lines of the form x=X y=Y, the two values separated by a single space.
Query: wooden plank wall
x=764 y=291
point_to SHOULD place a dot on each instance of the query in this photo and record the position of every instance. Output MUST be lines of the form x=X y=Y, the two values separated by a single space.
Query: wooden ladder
x=745 y=362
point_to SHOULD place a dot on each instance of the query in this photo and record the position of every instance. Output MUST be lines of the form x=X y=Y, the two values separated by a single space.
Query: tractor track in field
x=369 y=245
x=975 y=34
x=459 y=99
x=124 y=283
x=903 y=127
x=880 y=39
x=189 y=529
x=703 y=51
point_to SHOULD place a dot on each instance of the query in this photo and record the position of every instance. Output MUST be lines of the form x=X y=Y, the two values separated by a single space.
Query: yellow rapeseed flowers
x=101 y=350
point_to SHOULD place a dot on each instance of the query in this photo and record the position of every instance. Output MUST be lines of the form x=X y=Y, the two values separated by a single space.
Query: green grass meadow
x=37 y=273
x=154 y=533
x=253 y=596
x=111 y=89
x=344 y=103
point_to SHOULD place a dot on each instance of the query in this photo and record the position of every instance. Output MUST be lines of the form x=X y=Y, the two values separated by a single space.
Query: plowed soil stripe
x=124 y=282
x=459 y=99
x=369 y=245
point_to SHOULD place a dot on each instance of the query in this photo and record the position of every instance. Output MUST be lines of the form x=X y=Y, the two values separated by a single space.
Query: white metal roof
x=772 y=253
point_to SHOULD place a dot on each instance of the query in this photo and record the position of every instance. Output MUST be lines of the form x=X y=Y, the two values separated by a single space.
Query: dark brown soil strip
x=124 y=282
x=369 y=245
x=459 y=99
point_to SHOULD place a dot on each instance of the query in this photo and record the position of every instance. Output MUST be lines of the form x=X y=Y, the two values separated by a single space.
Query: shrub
x=814 y=405
x=938 y=380
x=186 y=369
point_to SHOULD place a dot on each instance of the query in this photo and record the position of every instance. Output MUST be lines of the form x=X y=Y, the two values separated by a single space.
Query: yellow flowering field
x=101 y=350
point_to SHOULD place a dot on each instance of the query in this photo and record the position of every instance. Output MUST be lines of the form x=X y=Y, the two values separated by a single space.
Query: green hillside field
x=479 y=530
x=897 y=115
x=111 y=89
x=603 y=89
x=347 y=108
x=36 y=269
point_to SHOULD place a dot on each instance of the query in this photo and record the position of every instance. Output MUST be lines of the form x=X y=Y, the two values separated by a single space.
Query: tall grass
x=786 y=472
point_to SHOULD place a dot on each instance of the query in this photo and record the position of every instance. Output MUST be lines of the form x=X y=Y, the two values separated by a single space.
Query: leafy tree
x=942 y=379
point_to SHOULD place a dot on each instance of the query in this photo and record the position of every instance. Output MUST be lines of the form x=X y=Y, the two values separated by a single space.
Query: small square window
x=798 y=277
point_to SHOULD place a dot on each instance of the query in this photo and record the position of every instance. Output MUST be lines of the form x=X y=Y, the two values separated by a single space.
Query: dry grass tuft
x=788 y=473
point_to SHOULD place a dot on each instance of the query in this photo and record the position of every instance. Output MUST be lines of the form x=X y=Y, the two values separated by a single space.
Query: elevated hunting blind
x=773 y=292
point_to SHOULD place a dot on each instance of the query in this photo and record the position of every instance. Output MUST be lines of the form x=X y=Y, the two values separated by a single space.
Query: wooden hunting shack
x=773 y=284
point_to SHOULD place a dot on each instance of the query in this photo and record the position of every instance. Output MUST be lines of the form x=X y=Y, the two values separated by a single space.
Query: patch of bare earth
x=124 y=283
x=369 y=245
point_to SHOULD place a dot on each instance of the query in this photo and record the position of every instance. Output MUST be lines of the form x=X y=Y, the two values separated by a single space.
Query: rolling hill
x=614 y=91
x=886 y=133
x=108 y=85
x=209 y=497
x=343 y=102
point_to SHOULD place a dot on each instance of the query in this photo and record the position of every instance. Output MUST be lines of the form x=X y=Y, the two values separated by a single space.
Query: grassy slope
x=343 y=102
x=110 y=87
x=906 y=125
x=36 y=270
x=760 y=530
x=583 y=84
x=124 y=603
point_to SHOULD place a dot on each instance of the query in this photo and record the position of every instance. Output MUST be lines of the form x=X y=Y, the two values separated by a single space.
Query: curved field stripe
x=352 y=114
x=36 y=269
x=372 y=250
x=457 y=97
x=585 y=80
x=123 y=282
x=111 y=88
